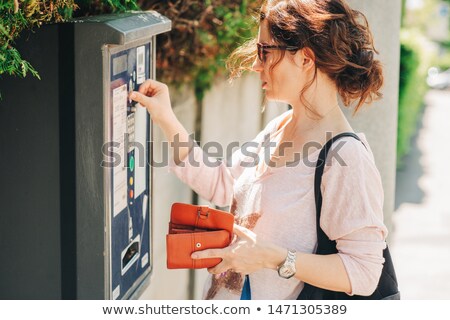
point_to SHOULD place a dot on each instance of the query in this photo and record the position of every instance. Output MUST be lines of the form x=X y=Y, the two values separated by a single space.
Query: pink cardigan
x=278 y=205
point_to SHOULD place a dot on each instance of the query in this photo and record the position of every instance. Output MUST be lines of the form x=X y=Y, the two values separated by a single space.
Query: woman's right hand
x=154 y=96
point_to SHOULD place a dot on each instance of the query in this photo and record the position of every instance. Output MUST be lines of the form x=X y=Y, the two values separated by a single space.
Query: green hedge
x=414 y=63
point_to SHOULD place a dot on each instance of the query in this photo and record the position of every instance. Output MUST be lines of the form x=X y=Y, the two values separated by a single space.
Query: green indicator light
x=131 y=163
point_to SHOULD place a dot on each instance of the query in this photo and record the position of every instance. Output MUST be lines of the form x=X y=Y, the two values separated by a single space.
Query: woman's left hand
x=246 y=254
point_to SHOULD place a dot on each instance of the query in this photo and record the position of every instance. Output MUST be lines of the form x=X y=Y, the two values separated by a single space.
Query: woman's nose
x=257 y=65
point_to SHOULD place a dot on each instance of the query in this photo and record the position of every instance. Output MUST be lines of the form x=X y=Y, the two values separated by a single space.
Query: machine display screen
x=119 y=64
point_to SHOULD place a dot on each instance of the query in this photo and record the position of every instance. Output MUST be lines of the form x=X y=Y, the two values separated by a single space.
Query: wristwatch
x=287 y=268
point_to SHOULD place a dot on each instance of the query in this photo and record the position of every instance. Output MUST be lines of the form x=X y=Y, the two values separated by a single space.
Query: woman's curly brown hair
x=339 y=37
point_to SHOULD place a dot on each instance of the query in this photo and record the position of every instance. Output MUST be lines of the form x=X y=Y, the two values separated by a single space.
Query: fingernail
x=133 y=95
x=194 y=256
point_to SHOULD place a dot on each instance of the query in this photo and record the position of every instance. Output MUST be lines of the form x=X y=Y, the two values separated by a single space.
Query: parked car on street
x=438 y=79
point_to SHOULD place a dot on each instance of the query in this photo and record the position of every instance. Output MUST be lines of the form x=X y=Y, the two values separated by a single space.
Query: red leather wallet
x=195 y=228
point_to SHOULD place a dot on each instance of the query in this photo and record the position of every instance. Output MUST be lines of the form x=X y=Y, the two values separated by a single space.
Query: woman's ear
x=309 y=58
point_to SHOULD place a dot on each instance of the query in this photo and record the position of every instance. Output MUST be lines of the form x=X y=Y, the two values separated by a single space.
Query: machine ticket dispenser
x=80 y=149
x=127 y=46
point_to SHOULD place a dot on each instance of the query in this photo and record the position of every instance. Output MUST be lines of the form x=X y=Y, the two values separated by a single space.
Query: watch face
x=286 y=272
x=287 y=269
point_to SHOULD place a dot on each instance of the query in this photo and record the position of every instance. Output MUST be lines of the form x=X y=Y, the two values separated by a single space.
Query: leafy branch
x=203 y=33
x=20 y=15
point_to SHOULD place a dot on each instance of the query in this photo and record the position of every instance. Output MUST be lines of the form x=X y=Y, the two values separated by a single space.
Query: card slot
x=179 y=228
x=179 y=231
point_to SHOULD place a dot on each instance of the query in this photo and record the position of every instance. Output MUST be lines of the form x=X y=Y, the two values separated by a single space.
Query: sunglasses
x=262 y=50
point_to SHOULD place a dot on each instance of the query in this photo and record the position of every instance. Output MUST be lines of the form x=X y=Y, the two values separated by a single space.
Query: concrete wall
x=224 y=109
x=167 y=188
x=379 y=120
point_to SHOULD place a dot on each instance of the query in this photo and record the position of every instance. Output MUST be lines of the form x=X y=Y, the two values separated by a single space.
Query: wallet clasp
x=203 y=212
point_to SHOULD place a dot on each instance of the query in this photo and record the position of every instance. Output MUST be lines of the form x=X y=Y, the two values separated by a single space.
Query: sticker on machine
x=144 y=260
x=116 y=292
x=120 y=96
x=140 y=136
x=140 y=64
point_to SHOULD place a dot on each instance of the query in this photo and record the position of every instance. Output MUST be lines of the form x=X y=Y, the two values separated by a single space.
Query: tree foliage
x=203 y=33
x=19 y=15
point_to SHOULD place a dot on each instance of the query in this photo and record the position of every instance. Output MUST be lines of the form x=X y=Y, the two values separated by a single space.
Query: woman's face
x=286 y=80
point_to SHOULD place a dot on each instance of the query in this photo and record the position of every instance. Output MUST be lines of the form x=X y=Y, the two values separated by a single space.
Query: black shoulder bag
x=387 y=288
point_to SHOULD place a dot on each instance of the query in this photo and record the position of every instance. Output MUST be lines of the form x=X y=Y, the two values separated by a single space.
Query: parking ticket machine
x=128 y=59
x=99 y=228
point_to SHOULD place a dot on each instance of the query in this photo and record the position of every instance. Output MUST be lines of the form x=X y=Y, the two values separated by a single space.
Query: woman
x=308 y=54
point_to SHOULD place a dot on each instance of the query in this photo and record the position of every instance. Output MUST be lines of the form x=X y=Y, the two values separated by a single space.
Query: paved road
x=420 y=244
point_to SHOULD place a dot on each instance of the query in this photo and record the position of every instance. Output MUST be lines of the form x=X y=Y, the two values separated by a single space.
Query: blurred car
x=438 y=79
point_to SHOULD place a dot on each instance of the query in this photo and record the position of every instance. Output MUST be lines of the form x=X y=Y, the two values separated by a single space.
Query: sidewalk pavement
x=420 y=243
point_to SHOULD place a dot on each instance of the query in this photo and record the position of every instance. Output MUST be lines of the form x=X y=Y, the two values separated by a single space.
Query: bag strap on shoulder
x=325 y=245
x=387 y=286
